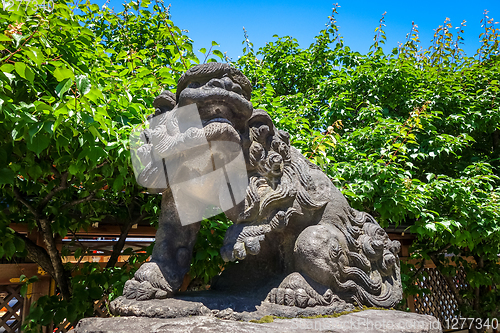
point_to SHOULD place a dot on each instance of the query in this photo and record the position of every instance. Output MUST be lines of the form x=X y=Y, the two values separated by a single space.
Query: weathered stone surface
x=368 y=321
x=158 y=308
x=221 y=305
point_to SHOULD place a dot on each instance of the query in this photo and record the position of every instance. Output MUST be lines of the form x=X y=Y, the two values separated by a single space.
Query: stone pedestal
x=222 y=305
x=368 y=321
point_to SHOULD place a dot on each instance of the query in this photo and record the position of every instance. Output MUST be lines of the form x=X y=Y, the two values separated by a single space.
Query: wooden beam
x=148 y=231
x=398 y=236
x=102 y=230
x=10 y=272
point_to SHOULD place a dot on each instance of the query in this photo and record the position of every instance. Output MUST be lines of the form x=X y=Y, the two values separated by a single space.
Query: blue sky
x=223 y=21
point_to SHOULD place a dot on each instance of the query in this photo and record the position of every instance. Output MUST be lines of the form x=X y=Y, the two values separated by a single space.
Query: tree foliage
x=411 y=137
x=75 y=80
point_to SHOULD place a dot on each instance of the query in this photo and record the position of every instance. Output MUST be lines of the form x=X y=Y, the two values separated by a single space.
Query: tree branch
x=37 y=254
x=480 y=266
x=55 y=171
x=62 y=185
x=82 y=246
x=98 y=166
x=118 y=247
x=24 y=202
x=417 y=272
x=79 y=201
x=21 y=47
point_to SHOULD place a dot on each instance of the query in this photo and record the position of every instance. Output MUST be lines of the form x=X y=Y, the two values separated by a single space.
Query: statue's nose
x=225 y=83
x=216 y=83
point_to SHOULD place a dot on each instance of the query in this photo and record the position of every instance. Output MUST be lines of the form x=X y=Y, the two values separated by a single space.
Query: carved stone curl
x=295 y=235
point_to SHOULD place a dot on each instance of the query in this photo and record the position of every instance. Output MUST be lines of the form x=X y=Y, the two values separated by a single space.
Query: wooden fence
x=439 y=301
x=11 y=309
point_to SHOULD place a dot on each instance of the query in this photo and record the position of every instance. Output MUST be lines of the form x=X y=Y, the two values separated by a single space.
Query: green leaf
x=7 y=68
x=24 y=71
x=46 y=318
x=62 y=73
x=58 y=121
x=63 y=86
x=7 y=176
x=9 y=248
x=35 y=171
x=24 y=290
x=74 y=169
x=201 y=255
x=94 y=95
x=97 y=134
x=18 y=38
x=34 y=129
x=38 y=143
x=72 y=313
x=95 y=293
x=95 y=153
x=41 y=106
x=35 y=55
x=19 y=244
x=218 y=53
x=213 y=252
x=118 y=183
x=78 y=253
x=60 y=315
x=83 y=84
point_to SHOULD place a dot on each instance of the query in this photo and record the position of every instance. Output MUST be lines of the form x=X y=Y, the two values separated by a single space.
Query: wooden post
x=410 y=301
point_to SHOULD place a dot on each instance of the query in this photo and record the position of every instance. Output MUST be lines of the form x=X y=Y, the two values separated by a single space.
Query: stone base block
x=368 y=321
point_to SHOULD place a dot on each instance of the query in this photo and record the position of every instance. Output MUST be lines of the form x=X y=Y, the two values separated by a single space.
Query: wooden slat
x=398 y=236
x=439 y=301
x=102 y=230
x=11 y=321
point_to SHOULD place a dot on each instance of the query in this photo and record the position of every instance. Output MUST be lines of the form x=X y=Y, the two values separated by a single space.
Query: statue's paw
x=241 y=248
x=294 y=290
x=148 y=283
x=290 y=297
x=300 y=297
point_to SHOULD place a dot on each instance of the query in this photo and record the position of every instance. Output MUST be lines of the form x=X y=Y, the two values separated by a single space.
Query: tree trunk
x=59 y=273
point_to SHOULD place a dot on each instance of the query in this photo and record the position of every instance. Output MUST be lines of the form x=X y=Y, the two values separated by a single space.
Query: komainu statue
x=294 y=234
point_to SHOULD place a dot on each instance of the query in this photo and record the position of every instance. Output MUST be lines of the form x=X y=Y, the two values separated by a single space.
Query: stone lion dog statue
x=294 y=235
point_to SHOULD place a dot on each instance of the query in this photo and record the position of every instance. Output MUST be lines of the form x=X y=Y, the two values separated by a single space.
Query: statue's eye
x=237 y=89
x=194 y=85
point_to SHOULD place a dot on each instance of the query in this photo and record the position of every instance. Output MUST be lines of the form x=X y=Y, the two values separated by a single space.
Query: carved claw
x=296 y=291
x=243 y=246
x=290 y=297
x=148 y=283
x=300 y=297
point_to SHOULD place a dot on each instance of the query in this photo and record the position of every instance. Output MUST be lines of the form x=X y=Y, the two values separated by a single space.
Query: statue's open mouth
x=217 y=120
